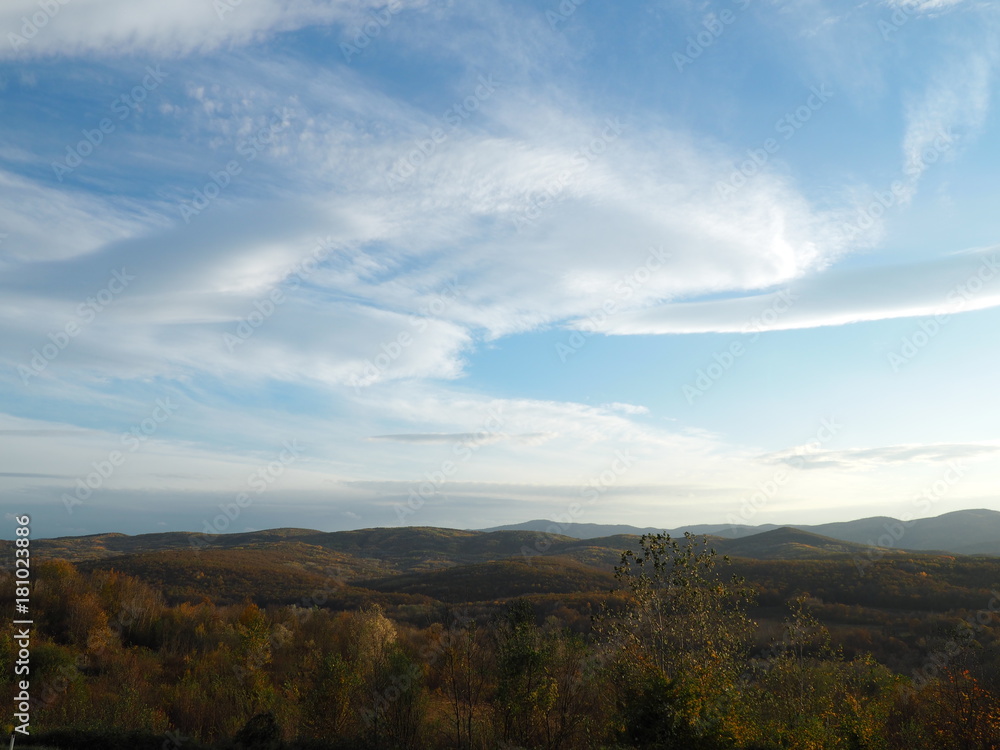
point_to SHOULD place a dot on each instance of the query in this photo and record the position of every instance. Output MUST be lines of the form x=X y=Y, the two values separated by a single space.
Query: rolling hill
x=419 y=568
x=789 y=543
x=963 y=532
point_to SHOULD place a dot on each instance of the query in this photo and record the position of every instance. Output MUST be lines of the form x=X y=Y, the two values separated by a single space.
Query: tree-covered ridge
x=417 y=548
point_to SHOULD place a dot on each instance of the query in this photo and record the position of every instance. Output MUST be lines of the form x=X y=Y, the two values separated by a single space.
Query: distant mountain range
x=416 y=571
x=963 y=532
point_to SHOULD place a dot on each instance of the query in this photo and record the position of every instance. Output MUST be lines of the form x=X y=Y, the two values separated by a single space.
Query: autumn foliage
x=672 y=660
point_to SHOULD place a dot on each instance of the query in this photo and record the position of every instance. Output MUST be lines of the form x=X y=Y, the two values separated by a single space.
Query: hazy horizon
x=561 y=522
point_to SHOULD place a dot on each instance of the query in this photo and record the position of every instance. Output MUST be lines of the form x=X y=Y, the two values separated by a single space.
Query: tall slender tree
x=679 y=644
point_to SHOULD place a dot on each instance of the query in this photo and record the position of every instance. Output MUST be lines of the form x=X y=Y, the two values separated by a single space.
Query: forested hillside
x=427 y=638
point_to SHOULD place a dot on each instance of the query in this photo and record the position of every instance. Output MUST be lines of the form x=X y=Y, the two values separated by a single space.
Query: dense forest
x=674 y=647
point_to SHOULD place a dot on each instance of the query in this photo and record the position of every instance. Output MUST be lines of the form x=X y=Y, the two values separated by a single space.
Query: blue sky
x=348 y=264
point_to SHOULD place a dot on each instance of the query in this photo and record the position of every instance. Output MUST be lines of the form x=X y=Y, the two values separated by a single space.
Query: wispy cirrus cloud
x=29 y=475
x=43 y=222
x=864 y=458
x=835 y=297
x=117 y=27
x=927 y=6
x=398 y=248
x=950 y=113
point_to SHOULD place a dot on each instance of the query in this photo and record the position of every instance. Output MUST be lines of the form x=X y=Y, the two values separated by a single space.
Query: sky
x=346 y=264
